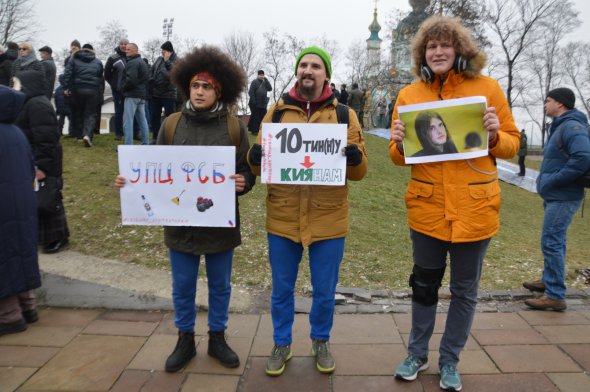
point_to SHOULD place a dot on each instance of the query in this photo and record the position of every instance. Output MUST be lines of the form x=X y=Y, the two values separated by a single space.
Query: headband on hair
x=207 y=77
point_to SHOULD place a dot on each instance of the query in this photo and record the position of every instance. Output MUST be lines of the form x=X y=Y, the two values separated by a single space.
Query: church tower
x=374 y=46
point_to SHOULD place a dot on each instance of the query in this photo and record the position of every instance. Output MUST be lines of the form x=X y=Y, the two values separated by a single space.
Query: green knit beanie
x=319 y=52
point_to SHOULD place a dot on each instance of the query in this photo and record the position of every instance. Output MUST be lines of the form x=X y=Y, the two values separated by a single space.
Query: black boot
x=183 y=352
x=219 y=349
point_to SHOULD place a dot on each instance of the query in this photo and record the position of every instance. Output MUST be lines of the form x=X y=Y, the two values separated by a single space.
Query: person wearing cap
x=304 y=216
x=83 y=81
x=258 y=94
x=453 y=206
x=114 y=70
x=74 y=47
x=210 y=82
x=163 y=92
x=565 y=158
x=49 y=67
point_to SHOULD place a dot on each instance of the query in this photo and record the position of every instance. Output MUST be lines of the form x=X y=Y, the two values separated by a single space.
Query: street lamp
x=167 y=28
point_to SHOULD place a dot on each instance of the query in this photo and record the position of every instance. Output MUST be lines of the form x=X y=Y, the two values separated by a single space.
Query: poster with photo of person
x=444 y=130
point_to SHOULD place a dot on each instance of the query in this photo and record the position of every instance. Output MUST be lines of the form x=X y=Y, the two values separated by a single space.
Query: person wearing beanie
x=258 y=102
x=84 y=83
x=74 y=47
x=453 y=206
x=49 y=68
x=566 y=157
x=114 y=70
x=210 y=81
x=162 y=92
x=304 y=216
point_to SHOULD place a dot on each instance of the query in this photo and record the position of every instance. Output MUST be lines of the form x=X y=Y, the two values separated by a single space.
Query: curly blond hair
x=445 y=27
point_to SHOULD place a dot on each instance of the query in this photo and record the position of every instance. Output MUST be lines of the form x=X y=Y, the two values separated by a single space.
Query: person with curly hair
x=210 y=81
x=453 y=206
x=433 y=135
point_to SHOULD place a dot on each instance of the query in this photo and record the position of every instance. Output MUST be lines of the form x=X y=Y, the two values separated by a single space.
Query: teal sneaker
x=324 y=360
x=409 y=368
x=275 y=366
x=450 y=380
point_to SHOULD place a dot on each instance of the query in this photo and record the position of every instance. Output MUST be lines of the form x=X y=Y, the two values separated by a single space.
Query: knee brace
x=425 y=284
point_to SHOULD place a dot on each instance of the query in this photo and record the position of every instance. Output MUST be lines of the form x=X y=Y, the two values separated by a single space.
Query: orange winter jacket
x=458 y=201
x=310 y=213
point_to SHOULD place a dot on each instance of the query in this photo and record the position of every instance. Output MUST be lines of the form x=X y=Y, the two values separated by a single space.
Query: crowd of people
x=453 y=205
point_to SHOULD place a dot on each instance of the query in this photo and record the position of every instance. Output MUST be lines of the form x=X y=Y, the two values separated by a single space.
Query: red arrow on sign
x=307 y=163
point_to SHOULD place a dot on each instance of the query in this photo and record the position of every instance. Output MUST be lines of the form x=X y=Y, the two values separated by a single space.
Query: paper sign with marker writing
x=303 y=154
x=178 y=185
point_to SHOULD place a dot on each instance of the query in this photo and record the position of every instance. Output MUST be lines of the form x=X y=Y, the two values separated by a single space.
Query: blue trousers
x=135 y=108
x=324 y=264
x=185 y=270
x=466 y=263
x=557 y=218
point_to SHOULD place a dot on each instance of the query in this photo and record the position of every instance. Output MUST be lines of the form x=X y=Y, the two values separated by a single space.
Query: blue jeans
x=324 y=264
x=466 y=263
x=185 y=271
x=558 y=216
x=135 y=108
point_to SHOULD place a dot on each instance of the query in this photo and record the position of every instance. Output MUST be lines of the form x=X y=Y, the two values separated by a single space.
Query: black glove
x=354 y=156
x=255 y=155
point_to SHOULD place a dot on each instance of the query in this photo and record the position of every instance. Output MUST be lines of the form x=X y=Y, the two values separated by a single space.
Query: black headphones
x=459 y=66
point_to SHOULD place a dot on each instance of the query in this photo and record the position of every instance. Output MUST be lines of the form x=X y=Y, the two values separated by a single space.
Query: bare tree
x=575 y=62
x=184 y=45
x=242 y=47
x=17 y=20
x=514 y=23
x=471 y=13
x=150 y=49
x=356 y=60
x=280 y=52
x=542 y=56
x=110 y=34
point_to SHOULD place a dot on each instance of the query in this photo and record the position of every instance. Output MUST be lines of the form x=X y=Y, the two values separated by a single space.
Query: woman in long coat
x=38 y=121
x=19 y=268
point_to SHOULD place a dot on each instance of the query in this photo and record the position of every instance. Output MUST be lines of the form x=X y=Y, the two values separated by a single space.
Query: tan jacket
x=310 y=213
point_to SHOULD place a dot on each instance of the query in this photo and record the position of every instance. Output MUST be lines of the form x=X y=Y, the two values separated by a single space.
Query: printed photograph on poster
x=303 y=154
x=444 y=130
x=178 y=185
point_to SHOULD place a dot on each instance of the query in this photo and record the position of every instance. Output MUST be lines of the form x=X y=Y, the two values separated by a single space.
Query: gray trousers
x=466 y=263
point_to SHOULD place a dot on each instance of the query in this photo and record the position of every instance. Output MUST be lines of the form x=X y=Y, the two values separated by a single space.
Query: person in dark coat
x=522 y=151
x=62 y=107
x=114 y=70
x=49 y=68
x=27 y=60
x=134 y=89
x=211 y=81
x=38 y=122
x=163 y=92
x=343 y=95
x=257 y=92
x=5 y=67
x=19 y=268
x=83 y=79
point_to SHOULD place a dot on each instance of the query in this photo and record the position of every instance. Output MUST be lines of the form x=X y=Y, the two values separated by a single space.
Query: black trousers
x=85 y=104
x=521 y=164
x=256 y=116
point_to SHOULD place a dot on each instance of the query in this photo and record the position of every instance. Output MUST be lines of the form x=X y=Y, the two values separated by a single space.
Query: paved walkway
x=100 y=350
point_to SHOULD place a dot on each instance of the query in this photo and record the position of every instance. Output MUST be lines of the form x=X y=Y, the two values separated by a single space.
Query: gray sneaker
x=409 y=368
x=275 y=366
x=324 y=360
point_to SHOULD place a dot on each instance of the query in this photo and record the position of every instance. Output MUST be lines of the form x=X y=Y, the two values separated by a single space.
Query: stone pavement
x=99 y=350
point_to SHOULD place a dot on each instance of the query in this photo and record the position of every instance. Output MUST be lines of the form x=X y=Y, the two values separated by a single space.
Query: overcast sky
x=344 y=21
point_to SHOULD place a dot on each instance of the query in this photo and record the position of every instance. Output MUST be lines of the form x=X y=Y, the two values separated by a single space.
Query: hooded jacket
x=566 y=157
x=310 y=213
x=199 y=128
x=19 y=269
x=458 y=201
x=85 y=71
x=38 y=122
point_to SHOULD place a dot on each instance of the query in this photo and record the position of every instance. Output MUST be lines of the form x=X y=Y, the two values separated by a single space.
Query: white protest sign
x=178 y=185
x=303 y=154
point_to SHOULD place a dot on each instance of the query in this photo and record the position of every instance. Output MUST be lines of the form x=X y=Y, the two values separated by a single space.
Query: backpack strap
x=170 y=127
x=233 y=127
